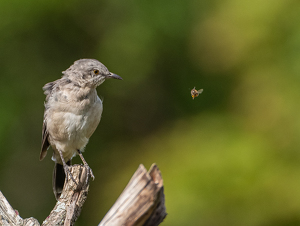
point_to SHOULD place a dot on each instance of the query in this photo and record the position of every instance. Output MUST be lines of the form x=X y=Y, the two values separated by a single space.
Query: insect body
x=195 y=92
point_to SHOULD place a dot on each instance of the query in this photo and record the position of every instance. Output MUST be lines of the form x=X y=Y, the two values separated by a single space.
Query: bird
x=72 y=113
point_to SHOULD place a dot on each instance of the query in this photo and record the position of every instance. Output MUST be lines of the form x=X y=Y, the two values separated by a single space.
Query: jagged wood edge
x=142 y=202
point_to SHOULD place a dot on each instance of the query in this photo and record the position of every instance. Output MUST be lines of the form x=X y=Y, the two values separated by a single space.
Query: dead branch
x=141 y=202
x=69 y=205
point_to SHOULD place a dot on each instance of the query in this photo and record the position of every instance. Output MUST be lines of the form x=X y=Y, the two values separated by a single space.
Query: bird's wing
x=45 y=142
x=45 y=134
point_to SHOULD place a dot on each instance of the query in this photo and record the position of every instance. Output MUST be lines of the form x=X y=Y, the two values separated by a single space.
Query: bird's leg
x=85 y=164
x=66 y=167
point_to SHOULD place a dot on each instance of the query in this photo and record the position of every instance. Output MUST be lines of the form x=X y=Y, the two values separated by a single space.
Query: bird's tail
x=58 y=179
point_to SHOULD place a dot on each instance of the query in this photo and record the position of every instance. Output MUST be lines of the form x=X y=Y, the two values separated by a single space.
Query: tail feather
x=58 y=179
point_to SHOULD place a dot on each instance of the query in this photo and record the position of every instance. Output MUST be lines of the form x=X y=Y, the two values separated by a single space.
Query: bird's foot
x=69 y=174
x=89 y=173
x=66 y=168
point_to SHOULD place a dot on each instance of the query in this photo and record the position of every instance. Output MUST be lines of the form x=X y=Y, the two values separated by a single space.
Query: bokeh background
x=229 y=157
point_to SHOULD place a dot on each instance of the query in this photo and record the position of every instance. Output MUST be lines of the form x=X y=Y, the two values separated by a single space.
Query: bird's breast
x=82 y=124
x=71 y=126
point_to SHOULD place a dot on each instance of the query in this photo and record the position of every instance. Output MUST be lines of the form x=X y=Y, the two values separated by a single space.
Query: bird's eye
x=96 y=72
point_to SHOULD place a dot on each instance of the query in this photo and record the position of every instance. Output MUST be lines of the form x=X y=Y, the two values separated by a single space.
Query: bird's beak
x=112 y=75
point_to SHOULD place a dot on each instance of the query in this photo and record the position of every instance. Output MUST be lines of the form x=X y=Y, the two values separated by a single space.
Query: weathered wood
x=10 y=217
x=69 y=205
x=66 y=210
x=8 y=214
x=141 y=202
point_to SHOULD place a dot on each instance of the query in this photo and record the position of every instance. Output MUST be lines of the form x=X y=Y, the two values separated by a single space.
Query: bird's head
x=89 y=72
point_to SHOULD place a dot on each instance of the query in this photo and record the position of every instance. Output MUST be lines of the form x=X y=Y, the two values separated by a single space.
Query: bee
x=195 y=92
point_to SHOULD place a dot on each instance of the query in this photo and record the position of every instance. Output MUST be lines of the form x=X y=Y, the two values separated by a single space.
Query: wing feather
x=48 y=88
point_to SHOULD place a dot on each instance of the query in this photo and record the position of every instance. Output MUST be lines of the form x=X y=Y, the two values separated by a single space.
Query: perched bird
x=195 y=92
x=72 y=113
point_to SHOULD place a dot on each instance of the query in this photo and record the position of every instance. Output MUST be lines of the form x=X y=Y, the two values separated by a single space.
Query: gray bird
x=72 y=113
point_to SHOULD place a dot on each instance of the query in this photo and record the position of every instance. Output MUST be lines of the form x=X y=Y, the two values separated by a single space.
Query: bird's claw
x=69 y=174
x=89 y=173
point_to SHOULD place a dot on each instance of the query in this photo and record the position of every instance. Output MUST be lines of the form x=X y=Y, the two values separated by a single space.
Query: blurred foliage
x=229 y=157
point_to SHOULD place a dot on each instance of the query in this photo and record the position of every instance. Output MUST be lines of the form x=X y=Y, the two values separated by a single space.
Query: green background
x=229 y=157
